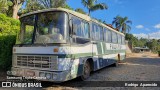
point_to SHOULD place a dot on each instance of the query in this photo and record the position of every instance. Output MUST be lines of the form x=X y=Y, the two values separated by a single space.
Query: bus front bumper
x=42 y=75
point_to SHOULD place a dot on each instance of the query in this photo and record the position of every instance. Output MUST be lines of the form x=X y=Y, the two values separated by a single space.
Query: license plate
x=30 y=73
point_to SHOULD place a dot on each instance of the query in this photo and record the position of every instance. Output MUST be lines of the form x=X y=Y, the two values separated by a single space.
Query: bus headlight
x=48 y=75
x=42 y=74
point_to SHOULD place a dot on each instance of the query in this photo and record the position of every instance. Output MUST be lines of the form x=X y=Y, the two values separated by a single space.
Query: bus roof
x=82 y=16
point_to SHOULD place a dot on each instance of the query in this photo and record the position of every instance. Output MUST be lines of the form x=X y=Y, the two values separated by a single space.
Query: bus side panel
x=101 y=57
x=79 y=54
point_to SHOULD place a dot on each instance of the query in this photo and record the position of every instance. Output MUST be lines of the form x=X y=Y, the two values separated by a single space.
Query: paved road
x=133 y=69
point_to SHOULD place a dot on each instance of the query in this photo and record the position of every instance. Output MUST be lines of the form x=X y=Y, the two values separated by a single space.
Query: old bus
x=61 y=44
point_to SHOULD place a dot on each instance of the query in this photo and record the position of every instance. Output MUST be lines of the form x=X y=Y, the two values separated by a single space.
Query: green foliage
x=4 y=5
x=80 y=10
x=6 y=44
x=92 y=5
x=68 y=7
x=153 y=44
x=121 y=23
x=8 y=30
x=133 y=39
x=34 y=5
x=8 y=26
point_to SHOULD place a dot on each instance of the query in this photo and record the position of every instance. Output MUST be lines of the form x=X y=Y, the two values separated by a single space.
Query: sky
x=144 y=14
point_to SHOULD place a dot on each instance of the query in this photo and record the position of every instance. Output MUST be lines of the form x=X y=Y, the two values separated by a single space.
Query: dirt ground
x=137 y=67
x=142 y=55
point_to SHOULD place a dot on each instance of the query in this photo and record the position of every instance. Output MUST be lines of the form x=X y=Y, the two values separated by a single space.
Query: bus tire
x=86 y=71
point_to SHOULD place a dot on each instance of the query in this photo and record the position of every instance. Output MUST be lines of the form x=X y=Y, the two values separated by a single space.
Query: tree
x=51 y=3
x=121 y=23
x=4 y=5
x=16 y=6
x=153 y=45
x=68 y=7
x=34 y=5
x=91 y=6
x=80 y=11
x=132 y=39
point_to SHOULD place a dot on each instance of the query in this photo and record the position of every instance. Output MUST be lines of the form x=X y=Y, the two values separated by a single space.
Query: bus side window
x=123 y=40
x=80 y=31
x=116 y=38
x=113 y=37
x=97 y=32
x=101 y=33
x=107 y=36
x=76 y=26
x=119 y=39
x=85 y=29
x=94 y=28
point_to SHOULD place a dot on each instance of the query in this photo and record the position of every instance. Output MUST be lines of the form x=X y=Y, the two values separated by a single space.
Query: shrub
x=6 y=45
x=8 y=30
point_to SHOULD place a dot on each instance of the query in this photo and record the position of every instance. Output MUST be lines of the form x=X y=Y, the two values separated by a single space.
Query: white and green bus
x=60 y=45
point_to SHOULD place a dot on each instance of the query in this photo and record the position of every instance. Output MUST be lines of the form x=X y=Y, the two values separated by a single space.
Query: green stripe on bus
x=114 y=51
x=78 y=55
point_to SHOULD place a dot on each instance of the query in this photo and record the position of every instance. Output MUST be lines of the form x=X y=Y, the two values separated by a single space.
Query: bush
x=6 y=45
x=8 y=31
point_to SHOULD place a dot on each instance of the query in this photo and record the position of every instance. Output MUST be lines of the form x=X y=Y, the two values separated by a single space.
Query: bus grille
x=42 y=62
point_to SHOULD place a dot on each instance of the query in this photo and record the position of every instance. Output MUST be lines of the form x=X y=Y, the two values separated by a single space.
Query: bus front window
x=47 y=27
x=51 y=27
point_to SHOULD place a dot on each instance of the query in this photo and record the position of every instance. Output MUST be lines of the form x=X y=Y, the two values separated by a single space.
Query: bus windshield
x=48 y=27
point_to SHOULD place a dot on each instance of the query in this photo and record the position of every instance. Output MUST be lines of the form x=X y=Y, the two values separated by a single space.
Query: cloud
x=139 y=26
x=147 y=29
x=157 y=26
x=154 y=35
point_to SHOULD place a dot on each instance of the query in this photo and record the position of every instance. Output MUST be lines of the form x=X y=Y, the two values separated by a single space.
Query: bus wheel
x=86 y=71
